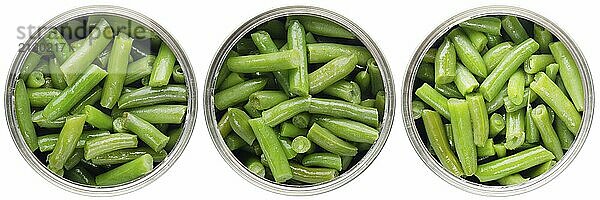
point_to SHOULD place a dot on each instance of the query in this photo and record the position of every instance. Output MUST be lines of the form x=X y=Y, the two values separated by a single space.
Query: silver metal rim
x=461 y=183
x=158 y=170
x=296 y=190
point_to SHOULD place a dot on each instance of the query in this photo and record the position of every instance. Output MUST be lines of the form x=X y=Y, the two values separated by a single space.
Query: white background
x=398 y=27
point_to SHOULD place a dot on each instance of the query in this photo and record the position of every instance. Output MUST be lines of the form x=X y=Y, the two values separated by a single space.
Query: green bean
x=147 y=95
x=139 y=69
x=266 y=45
x=342 y=109
x=489 y=25
x=348 y=91
x=543 y=37
x=125 y=155
x=255 y=166
x=493 y=56
x=66 y=143
x=290 y=130
x=302 y=144
x=312 y=175
x=500 y=150
x=93 y=45
x=515 y=163
x=434 y=99
x=547 y=133
x=223 y=125
x=251 y=111
x=324 y=27
x=463 y=135
x=263 y=100
x=539 y=169
x=275 y=27
x=285 y=110
x=376 y=80
x=569 y=72
x=224 y=70
x=298 y=77
x=59 y=46
x=331 y=72
x=429 y=56
x=145 y=131
x=104 y=144
x=551 y=71
x=123 y=25
x=234 y=142
x=466 y=52
x=564 y=135
x=417 y=109
x=559 y=83
x=48 y=142
x=487 y=150
x=532 y=135
x=529 y=96
x=449 y=135
x=515 y=129
x=440 y=143
x=272 y=149
x=97 y=118
x=325 y=52
x=80 y=175
x=513 y=179
x=449 y=90
x=127 y=172
x=35 y=80
x=287 y=148
x=71 y=95
x=231 y=80
x=238 y=93
x=547 y=90
x=31 y=62
x=445 y=63
x=426 y=73
x=328 y=141
x=277 y=61
x=348 y=129
x=368 y=103
x=178 y=76
x=493 y=40
x=363 y=79
x=497 y=102
x=516 y=87
x=161 y=114
x=464 y=80
x=302 y=120
x=492 y=85
x=117 y=70
x=496 y=124
x=478 y=39
x=23 y=115
x=327 y=160
x=174 y=135
x=56 y=75
x=40 y=97
x=514 y=29
x=479 y=117
x=90 y=99
x=162 y=67
x=537 y=63
x=239 y=123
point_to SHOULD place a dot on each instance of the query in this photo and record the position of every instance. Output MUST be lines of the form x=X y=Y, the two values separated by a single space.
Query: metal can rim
x=464 y=184
x=160 y=169
x=298 y=190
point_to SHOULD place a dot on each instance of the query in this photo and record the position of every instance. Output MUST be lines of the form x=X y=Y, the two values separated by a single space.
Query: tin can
x=211 y=119
x=71 y=186
x=433 y=164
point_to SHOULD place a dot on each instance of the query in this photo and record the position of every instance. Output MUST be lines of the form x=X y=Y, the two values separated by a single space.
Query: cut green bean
x=145 y=131
x=493 y=56
x=48 y=142
x=564 y=109
x=547 y=133
x=23 y=115
x=478 y=39
x=464 y=80
x=277 y=61
x=328 y=141
x=239 y=123
x=290 y=130
x=342 y=109
x=331 y=72
x=429 y=56
x=500 y=150
x=515 y=129
x=543 y=37
x=104 y=144
x=325 y=52
x=31 y=62
x=490 y=25
x=263 y=100
x=320 y=26
x=513 y=179
x=117 y=70
x=162 y=67
x=445 y=63
x=417 y=109
x=426 y=73
x=35 y=80
x=272 y=149
x=516 y=87
x=564 y=135
x=80 y=175
x=496 y=124
x=493 y=40
x=479 y=118
x=537 y=63
x=436 y=134
x=463 y=135
x=467 y=53
x=302 y=120
x=515 y=163
x=231 y=80
x=298 y=77
x=127 y=172
x=147 y=95
x=255 y=166
x=514 y=29
x=569 y=72
x=487 y=150
x=161 y=114
x=434 y=99
x=287 y=148
x=498 y=101
x=532 y=134
x=97 y=118
x=311 y=174
x=551 y=71
x=286 y=110
x=348 y=91
x=539 y=169
x=449 y=90
x=139 y=69
x=363 y=79
x=178 y=76
x=302 y=144
x=327 y=160
x=376 y=79
x=40 y=97
x=56 y=75
x=238 y=93
x=126 y=155
x=66 y=143
x=348 y=129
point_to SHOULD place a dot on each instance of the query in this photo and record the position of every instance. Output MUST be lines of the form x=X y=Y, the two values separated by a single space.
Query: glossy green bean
x=348 y=129
x=139 y=69
x=426 y=73
x=239 y=123
x=311 y=174
x=429 y=56
x=496 y=124
x=467 y=53
x=417 y=109
x=277 y=61
x=238 y=93
x=497 y=102
x=564 y=135
x=492 y=85
x=539 y=169
x=302 y=120
x=127 y=172
x=90 y=99
x=551 y=71
x=327 y=160
x=493 y=56
x=71 y=95
x=161 y=114
x=223 y=125
x=478 y=39
x=263 y=100
x=515 y=163
x=450 y=136
x=436 y=134
x=376 y=77
x=348 y=91
x=537 y=63
x=543 y=37
x=516 y=87
x=363 y=79
x=23 y=115
x=290 y=130
x=145 y=131
x=449 y=90
x=302 y=144
x=298 y=77
x=147 y=95
x=328 y=141
x=272 y=149
x=117 y=70
x=286 y=110
x=287 y=148
x=445 y=63
x=104 y=144
x=500 y=150
x=324 y=27
x=31 y=62
x=331 y=72
x=97 y=118
x=40 y=97
x=162 y=68
x=35 y=80
x=463 y=135
x=514 y=29
x=125 y=155
x=342 y=109
x=490 y=25
x=80 y=175
x=479 y=118
x=515 y=129
x=513 y=179
x=547 y=90
x=569 y=72
x=528 y=97
x=255 y=166
x=493 y=40
x=231 y=80
x=56 y=75
x=434 y=99
x=66 y=143
x=48 y=142
x=74 y=67
x=59 y=46
x=464 y=80
x=234 y=142
x=487 y=150
x=251 y=111
x=547 y=133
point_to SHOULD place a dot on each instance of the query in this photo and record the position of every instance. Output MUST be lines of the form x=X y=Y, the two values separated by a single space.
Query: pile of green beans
x=101 y=109
x=299 y=100
x=498 y=100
